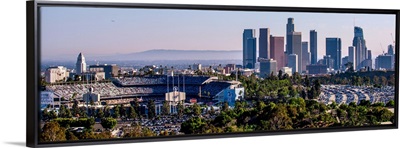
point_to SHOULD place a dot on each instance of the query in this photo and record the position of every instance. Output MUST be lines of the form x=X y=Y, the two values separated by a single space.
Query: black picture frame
x=33 y=69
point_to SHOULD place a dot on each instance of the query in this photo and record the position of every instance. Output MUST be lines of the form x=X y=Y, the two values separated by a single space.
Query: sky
x=111 y=31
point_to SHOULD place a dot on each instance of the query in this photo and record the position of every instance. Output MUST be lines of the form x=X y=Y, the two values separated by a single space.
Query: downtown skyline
x=117 y=30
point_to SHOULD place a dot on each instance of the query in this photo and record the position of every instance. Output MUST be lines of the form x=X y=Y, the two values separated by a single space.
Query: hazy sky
x=104 y=31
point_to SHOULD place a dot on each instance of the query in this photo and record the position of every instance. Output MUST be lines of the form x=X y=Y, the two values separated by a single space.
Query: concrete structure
x=391 y=49
x=267 y=66
x=249 y=48
x=264 y=43
x=384 y=62
x=91 y=96
x=277 y=50
x=292 y=62
x=359 y=44
x=56 y=74
x=352 y=56
x=174 y=98
x=305 y=59
x=109 y=70
x=96 y=76
x=313 y=46
x=289 y=30
x=317 y=69
x=328 y=61
x=80 y=64
x=334 y=49
x=196 y=66
x=287 y=70
x=294 y=47
x=231 y=94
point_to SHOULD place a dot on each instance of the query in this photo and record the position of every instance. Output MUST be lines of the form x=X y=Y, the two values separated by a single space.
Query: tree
x=280 y=74
x=107 y=112
x=132 y=113
x=52 y=131
x=108 y=123
x=194 y=125
x=384 y=80
x=390 y=103
x=196 y=109
x=122 y=111
x=181 y=110
x=100 y=113
x=64 y=112
x=116 y=111
x=165 y=108
x=151 y=109
x=225 y=107
x=75 y=108
x=307 y=82
x=212 y=110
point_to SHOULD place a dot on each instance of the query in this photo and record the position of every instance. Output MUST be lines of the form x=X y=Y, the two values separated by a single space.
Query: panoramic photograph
x=109 y=73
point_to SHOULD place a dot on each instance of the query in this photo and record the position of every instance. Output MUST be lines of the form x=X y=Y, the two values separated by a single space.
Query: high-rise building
x=352 y=56
x=292 y=62
x=249 y=48
x=369 y=55
x=328 y=61
x=277 y=50
x=359 y=44
x=109 y=70
x=313 y=46
x=391 y=52
x=345 y=60
x=390 y=49
x=80 y=64
x=267 y=66
x=294 y=47
x=56 y=74
x=289 y=30
x=384 y=62
x=334 y=49
x=305 y=59
x=317 y=69
x=264 y=43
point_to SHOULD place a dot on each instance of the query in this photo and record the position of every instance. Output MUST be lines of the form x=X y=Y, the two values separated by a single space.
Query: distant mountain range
x=169 y=54
x=164 y=54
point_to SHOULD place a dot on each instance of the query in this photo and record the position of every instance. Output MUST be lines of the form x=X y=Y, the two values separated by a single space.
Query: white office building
x=56 y=74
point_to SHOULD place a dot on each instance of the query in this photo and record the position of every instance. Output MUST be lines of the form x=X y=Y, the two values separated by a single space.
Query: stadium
x=203 y=88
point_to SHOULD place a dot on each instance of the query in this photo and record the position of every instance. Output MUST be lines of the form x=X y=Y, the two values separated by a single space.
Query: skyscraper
x=277 y=50
x=313 y=46
x=294 y=47
x=264 y=43
x=390 y=49
x=289 y=30
x=80 y=64
x=267 y=66
x=359 y=44
x=249 y=49
x=292 y=62
x=352 y=56
x=305 y=59
x=334 y=49
x=369 y=55
x=384 y=61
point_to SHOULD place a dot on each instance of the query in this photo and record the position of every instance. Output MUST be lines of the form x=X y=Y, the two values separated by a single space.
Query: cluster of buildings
x=81 y=72
x=301 y=56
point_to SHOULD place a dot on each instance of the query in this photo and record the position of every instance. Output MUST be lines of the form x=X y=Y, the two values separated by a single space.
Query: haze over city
x=114 y=31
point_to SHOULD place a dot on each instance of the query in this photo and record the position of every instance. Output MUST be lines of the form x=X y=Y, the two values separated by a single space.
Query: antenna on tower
x=383 y=51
